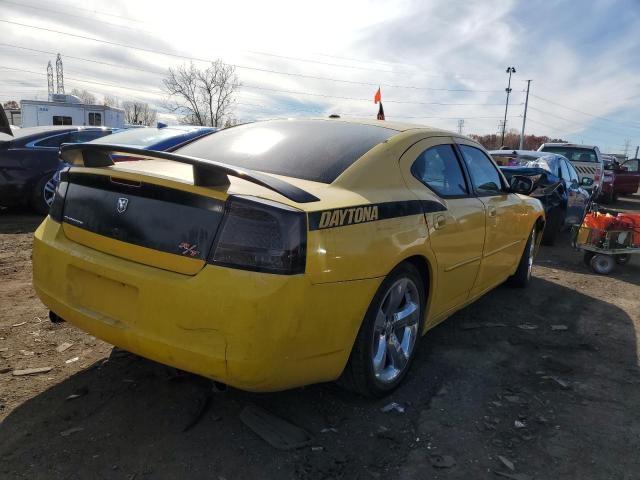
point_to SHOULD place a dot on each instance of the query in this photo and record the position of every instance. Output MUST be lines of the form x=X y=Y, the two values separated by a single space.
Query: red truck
x=619 y=178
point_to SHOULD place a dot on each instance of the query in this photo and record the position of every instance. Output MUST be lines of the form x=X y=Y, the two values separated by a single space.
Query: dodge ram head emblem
x=121 y=206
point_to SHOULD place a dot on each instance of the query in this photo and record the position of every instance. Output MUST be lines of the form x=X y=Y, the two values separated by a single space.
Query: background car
x=29 y=158
x=555 y=185
x=586 y=159
x=619 y=178
x=162 y=138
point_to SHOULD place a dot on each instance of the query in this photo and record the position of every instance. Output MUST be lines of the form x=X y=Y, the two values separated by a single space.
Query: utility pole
x=460 y=125
x=637 y=148
x=524 y=119
x=510 y=71
x=626 y=147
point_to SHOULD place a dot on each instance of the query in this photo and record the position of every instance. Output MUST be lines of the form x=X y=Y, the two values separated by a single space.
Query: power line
x=244 y=67
x=583 y=125
x=580 y=111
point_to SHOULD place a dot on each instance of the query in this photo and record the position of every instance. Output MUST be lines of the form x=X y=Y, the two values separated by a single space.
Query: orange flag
x=378 y=96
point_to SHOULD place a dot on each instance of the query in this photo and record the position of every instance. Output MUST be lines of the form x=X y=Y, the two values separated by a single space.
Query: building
x=69 y=110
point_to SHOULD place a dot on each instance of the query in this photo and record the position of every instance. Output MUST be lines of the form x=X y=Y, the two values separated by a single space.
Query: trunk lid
x=158 y=224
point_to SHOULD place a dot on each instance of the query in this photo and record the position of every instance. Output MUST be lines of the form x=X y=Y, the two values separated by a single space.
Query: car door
x=630 y=176
x=578 y=197
x=504 y=237
x=433 y=171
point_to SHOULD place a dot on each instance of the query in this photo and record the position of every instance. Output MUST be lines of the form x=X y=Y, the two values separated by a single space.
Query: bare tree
x=85 y=95
x=139 y=113
x=202 y=97
x=11 y=105
x=110 y=101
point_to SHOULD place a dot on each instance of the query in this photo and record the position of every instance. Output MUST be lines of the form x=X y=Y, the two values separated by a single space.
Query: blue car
x=162 y=139
x=556 y=185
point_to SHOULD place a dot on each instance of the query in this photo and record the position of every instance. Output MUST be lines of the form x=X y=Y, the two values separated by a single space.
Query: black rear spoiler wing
x=206 y=173
x=5 y=126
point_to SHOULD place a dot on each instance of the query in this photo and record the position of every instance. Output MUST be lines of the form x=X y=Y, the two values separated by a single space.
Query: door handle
x=440 y=222
x=492 y=211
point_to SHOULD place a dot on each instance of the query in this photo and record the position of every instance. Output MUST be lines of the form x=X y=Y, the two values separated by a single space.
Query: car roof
x=52 y=130
x=571 y=145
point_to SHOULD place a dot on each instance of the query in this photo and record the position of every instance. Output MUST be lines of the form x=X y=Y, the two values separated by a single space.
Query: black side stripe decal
x=340 y=217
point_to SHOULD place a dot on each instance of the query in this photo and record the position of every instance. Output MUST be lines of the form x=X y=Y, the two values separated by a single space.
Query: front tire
x=39 y=197
x=522 y=277
x=387 y=339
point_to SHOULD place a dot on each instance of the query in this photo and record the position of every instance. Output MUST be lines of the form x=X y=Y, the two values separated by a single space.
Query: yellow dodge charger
x=283 y=253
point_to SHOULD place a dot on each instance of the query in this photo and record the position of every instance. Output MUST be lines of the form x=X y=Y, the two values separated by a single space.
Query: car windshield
x=139 y=137
x=317 y=150
x=574 y=154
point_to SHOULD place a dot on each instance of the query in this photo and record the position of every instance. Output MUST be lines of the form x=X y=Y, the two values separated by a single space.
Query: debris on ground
x=507 y=463
x=19 y=324
x=63 y=346
x=81 y=392
x=27 y=353
x=274 y=430
x=71 y=431
x=31 y=371
x=203 y=406
x=72 y=360
x=559 y=381
x=442 y=461
x=392 y=406
x=527 y=326
x=559 y=328
x=519 y=424
x=474 y=325
x=514 y=476
x=317 y=449
x=5 y=369
x=330 y=429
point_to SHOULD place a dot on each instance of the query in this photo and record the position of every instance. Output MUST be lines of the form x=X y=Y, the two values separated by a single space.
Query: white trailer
x=69 y=110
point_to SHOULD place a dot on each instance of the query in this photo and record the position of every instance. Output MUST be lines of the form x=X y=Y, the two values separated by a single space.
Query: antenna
x=59 y=74
x=50 y=80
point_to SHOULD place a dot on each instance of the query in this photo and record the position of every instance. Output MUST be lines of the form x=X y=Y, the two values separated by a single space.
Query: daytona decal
x=340 y=217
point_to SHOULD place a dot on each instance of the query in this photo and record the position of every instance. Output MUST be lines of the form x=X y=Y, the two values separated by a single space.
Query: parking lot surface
x=542 y=383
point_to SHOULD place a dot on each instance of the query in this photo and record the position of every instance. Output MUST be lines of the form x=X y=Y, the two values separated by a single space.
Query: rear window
x=308 y=149
x=575 y=154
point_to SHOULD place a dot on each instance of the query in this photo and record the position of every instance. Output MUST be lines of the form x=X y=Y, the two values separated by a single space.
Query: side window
x=54 y=141
x=438 y=168
x=60 y=120
x=573 y=175
x=632 y=165
x=564 y=171
x=484 y=176
x=86 y=136
x=95 y=119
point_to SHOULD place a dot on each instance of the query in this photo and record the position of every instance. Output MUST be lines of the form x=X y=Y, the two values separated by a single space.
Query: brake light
x=262 y=236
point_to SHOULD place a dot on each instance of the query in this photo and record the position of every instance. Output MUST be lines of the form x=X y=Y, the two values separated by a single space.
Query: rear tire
x=522 y=277
x=372 y=370
x=38 y=202
x=553 y=227
x=587 y=258
x=622 y=258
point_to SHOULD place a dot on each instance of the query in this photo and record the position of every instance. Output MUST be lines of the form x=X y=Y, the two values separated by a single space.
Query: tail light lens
x=262 y=236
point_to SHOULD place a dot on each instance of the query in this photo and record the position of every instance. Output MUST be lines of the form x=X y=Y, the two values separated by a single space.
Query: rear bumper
x=253 y=331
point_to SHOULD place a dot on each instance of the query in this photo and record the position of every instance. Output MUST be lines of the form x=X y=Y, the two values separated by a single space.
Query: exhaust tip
x=55 y=318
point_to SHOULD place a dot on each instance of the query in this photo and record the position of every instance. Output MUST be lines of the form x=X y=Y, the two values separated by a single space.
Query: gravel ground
x=542 y=383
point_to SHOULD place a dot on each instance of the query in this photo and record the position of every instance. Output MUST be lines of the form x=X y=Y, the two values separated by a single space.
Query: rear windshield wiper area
x=206 y=173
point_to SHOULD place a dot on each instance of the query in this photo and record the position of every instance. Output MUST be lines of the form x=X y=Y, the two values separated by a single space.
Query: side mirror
x=520 y=184
x=586 y=182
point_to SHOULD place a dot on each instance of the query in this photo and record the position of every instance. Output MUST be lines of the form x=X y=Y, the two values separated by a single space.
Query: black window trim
x=465 y=176
x=503 y=191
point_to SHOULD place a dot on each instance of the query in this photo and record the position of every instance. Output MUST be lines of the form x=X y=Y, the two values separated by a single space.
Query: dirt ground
x=546 y=378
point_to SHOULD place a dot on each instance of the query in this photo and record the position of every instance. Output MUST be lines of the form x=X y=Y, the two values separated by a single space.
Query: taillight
x=262 y=236
x=55 y=210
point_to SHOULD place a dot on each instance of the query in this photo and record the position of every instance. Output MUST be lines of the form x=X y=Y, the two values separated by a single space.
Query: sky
x=436 y=61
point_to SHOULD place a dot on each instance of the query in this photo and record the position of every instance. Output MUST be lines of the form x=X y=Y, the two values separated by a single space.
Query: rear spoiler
x=206 y=173
x=5 y=127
